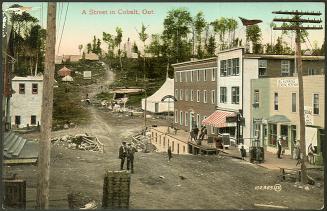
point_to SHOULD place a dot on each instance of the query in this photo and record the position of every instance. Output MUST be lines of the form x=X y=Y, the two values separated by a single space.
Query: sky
x=84 y=20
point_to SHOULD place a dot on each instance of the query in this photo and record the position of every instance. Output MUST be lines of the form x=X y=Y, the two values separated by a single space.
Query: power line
x=63 y=27
x=59 y=15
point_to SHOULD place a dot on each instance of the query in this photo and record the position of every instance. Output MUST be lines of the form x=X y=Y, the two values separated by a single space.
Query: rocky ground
x=186 y=182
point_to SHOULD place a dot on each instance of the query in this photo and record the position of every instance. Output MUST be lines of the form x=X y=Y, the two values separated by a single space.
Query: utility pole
x=42 y=198
x=296 y=25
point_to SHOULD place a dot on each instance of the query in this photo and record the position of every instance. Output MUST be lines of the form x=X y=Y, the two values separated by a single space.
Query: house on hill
x=64 y=71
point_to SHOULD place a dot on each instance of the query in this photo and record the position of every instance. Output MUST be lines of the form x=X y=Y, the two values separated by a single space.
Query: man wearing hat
x=279 y=145
x=122 y=155
x=130 y=157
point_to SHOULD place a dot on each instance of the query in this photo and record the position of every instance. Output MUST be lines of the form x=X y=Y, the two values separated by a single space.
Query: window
x=293 y=102
x=205 y=74
x=212 y=130
x=176 y=93
x=198 y=123
x=198 y=75
x=311 y=71
x=285 y=68
x=186 y=75
x=192 y=95
x=235 y=95
x=180 y=94
x=213 y=73
x=186 y=95
x=21 y=88
x=229 y=67
x=235 y=66
x=186 y=118
x=315 y=103
x=180 y=77
x=205 y=96
x=223 y=68
x=181 y=118
x=191 y=76
x=213 y=96
x=197 y=95
x=33 y=120
x=34 y=88
x=256 y=98
x=176 y=77
x=262 y=67
x=223 y=94
x=176 y=116
x=17 y=120
x=272 y=134
x=276 y=101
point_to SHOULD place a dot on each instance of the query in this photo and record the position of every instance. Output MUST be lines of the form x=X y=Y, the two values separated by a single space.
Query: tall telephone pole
x=42 y=198
x=295 y=24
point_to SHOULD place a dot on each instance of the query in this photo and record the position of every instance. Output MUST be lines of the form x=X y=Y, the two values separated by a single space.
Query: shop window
x=284 y=135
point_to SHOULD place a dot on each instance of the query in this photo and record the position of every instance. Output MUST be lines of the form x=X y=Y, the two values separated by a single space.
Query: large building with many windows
x=195 y=90
x=275 y=110
x=209 y=91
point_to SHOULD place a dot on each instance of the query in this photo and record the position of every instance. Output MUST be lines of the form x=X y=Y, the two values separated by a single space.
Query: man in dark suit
x=130 y=157
x=122 y=155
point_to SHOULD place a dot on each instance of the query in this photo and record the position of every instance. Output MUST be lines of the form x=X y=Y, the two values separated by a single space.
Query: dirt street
x=211 y=182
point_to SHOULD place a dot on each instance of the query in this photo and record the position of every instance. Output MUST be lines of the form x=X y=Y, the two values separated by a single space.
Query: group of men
x=195 y=133
x=127 y=152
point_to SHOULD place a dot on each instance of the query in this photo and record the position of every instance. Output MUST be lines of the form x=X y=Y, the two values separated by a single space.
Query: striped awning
x=217 y=119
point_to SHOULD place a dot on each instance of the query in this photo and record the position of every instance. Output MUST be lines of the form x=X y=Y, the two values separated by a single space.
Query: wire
x=60 y=9
x=63 y=27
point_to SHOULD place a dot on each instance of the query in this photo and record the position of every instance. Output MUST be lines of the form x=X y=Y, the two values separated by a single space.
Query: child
x=243 y=152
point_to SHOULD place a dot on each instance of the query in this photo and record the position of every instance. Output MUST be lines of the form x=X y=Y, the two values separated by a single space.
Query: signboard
x=287 y=82
x=87 y=74
x=308 y=117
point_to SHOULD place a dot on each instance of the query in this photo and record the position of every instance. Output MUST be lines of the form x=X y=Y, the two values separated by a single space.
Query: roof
x=64 y=69
x=266 y=56
x=166 y=89
x=278 y=119
x=28 y=78
x=91 y=56
x=195 y=61
x=126 y=91
x=218 y=119
x=16 y=147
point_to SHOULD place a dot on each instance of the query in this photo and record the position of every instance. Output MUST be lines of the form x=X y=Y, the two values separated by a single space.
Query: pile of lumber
x=80 y=141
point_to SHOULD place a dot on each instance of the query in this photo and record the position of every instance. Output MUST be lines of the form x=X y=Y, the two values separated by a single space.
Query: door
x=192 y=121
x=156 y=107
x=15 y=193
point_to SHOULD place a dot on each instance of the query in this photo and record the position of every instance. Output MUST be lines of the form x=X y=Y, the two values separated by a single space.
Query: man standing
x=122 y=155
x=196 y=132
x=279 y=145
x=169 y=153
x=130 y=157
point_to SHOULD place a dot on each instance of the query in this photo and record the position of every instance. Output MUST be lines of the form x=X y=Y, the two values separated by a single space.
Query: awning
x=218 y=119
x=278 y=119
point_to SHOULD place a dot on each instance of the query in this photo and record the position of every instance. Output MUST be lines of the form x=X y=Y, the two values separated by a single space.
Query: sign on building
x=308 y=117
x=287 y=82
x=87 y=74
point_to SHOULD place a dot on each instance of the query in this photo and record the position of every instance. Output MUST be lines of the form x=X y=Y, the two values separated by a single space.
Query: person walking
x=203 y=132
x=243 y=152
x=279 y=146
x=130 y=157
x=122 y=155
x=170 y=155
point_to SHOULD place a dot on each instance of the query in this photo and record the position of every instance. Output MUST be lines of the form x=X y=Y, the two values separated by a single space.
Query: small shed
x=64 y=71
x=68 y=78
